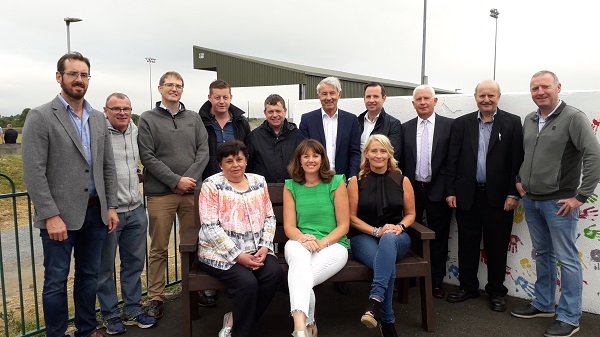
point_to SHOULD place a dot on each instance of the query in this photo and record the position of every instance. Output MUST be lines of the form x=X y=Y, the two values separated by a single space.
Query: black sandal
x=206 y=301
x=370 y=318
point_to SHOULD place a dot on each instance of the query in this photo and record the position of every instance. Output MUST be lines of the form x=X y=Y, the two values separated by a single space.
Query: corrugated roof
x=314 y=71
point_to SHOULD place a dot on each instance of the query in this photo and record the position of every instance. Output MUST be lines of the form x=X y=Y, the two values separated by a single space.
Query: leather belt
x=422 y=184
x=480 y=186
x=94 y=202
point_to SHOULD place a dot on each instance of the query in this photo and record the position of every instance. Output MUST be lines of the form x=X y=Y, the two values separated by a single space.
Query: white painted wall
x=521 y=268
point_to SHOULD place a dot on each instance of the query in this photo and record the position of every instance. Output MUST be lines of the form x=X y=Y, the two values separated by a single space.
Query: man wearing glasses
x=130 y=236
x=174 y=151
x=69 y=171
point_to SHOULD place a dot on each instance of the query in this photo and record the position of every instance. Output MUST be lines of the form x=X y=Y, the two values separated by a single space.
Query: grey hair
x=544 y=72
x=491 y=81
x=333 y=81
x=424 y=86
x=117 y=95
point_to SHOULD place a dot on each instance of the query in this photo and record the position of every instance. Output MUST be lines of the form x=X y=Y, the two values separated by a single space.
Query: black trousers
x=437 y=218
x=496 y=225
x=253 y=290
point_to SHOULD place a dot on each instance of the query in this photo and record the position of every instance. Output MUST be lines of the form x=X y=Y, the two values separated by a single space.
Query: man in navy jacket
x=336 y=129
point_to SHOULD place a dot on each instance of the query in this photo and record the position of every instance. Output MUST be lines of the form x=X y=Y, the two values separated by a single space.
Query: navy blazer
x=439 y=153
x=503 y=160
x=347 y=151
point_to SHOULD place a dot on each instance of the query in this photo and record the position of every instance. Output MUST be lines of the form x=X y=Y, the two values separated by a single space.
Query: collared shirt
x=430 y=129
x=330 y=125
x=541 y=120
x=485 y=131
x=224 y=133
x=368 y=128
x=82 y=126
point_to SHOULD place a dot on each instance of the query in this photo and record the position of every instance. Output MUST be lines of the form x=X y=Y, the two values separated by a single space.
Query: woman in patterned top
x=316 y=220
x=382 y=206
x=236 y=238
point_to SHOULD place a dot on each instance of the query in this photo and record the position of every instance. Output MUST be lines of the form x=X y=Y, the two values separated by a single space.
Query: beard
x=70 y=90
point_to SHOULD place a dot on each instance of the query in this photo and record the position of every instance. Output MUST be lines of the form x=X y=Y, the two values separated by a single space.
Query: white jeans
x=307 y=270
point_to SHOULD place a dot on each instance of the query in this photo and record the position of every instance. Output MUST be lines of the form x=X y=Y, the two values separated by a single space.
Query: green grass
x=12 y=166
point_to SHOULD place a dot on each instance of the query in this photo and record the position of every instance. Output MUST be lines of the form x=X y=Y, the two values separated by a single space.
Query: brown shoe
x=155 y=310
x=438 y=290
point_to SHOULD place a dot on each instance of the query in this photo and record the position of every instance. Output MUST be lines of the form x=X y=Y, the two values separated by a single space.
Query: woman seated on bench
x=316 y=220
x=382 y=205
x=236 y=238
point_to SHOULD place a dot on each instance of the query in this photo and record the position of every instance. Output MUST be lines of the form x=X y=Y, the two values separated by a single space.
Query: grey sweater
x=554 y=156
x=125 y=150
x=171 y=147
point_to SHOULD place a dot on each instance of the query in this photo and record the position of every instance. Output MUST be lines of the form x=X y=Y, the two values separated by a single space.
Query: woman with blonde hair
x=382 y=206
x=316 y=220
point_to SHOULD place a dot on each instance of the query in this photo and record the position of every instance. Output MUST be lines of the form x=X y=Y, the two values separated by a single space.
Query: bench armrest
x=421 y=232
x=188 y=240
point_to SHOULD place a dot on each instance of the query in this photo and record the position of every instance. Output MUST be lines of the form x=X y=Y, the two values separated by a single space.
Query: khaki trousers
x=161 y=216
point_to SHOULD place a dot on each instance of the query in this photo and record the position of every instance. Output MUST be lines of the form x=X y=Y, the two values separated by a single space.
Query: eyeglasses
x=117 y=109
x=75 y=75
x=171 y=85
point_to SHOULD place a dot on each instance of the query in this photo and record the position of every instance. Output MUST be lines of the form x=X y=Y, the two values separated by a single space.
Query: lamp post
x=68 y=22
x=150 y=60
x=494 y=13
x=423 y=77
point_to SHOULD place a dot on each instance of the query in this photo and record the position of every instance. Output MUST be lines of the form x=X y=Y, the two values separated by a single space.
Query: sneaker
x=530 y=312
x=142 y=321
x=561 y=329
x=114 y=326
x=155 y=310
x=226 y=330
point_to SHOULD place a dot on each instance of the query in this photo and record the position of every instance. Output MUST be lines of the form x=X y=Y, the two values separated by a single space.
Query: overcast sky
x=376 y=38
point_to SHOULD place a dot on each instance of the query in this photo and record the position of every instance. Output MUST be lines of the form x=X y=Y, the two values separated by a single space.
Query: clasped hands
x=311 y=243
x=390 y=228
x=253 y=261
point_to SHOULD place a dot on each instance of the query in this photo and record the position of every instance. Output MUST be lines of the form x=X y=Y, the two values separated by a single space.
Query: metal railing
x=20 y=251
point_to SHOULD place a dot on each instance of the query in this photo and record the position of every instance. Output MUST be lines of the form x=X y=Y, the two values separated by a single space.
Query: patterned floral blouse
x=232 y=221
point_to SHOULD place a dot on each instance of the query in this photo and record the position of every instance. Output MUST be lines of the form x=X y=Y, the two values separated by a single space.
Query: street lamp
x=68 y=22
x=494 y=13
x=423 y=77
x=150 y=60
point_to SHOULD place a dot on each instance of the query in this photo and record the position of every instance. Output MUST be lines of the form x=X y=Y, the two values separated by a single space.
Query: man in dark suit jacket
x=70 y=173
x=423 y=161
x=376 y=121
x=336 y=129
x=486 y=151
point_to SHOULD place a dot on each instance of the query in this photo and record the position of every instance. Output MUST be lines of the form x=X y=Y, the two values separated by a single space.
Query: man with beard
x=69 y=171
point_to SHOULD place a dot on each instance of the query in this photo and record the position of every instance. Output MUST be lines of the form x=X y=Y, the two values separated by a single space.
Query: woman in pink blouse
x=236 y=238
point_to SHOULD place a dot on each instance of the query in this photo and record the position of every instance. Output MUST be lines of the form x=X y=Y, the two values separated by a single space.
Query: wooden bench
x=416 y=263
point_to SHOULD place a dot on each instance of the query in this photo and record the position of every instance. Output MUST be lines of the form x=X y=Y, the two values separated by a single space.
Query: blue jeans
x=130 y=236
x=381 y=254
x=553 y=238
x=87 y=246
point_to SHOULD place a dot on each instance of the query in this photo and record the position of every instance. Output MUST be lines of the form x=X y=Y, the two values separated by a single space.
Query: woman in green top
x=316 y=219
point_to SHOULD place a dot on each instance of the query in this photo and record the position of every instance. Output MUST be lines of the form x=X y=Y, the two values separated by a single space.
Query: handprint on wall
x=483 y=256
x=526 y=265
x=595 y=124
x=513 y=244
x=581 y=260
x=524 y=285
x=595 y=257
x=453 y=270
x=593 y=198
x=588 y=213
x=519 y=214
x=591 y=233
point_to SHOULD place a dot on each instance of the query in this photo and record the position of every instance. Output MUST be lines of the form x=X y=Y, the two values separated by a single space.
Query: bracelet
x=376 y=231
x=326 y=239
x=403 y=227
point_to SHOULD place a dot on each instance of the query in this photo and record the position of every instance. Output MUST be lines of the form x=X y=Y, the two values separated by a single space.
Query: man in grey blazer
x=69 y=171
